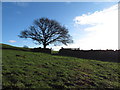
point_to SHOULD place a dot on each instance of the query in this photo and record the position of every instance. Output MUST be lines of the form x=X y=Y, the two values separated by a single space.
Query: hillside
x=5 y=46
x=39 y=70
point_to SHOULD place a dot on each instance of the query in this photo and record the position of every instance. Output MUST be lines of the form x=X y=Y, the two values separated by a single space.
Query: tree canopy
x=47 y=31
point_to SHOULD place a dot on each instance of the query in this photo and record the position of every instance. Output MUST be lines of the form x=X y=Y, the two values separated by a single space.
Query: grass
x=54 y=52
x=39 y=70
x=5 y=46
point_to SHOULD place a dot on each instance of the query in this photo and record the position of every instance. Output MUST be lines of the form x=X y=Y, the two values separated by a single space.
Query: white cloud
x=12 y=41
x=103 y=30
x=98 y=17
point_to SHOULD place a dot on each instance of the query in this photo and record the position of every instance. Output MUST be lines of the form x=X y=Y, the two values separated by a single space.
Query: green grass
x=54 y=52
x=38 y=70
x=5 y=46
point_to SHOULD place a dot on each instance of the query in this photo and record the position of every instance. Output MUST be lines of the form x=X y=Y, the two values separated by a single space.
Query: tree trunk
x=44 y=46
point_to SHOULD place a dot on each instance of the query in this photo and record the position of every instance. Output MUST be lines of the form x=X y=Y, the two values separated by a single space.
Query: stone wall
x=43 y=50
x=103 y=55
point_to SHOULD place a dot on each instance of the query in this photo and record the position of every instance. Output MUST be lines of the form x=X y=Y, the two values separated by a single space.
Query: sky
x=92 y=25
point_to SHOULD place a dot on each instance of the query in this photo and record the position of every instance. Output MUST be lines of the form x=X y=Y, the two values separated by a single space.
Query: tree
x=47 y=31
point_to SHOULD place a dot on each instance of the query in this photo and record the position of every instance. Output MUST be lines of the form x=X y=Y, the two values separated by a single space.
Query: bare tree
x=46 y=31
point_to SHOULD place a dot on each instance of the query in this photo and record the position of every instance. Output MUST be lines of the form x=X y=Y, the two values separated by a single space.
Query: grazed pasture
x=23 y=69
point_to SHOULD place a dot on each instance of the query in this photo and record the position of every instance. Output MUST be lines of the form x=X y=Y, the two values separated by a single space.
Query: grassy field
x=22 y=69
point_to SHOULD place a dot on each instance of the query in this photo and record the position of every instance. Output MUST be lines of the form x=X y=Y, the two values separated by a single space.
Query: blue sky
x=17 y=16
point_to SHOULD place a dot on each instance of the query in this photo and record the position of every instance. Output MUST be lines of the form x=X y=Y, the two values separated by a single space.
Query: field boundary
x=103 y=55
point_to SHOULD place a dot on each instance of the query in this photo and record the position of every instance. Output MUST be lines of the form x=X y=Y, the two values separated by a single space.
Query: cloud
x=102 y=32
x=98 y=17
x=12 y=41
